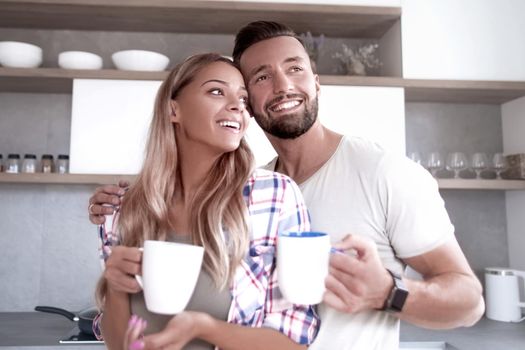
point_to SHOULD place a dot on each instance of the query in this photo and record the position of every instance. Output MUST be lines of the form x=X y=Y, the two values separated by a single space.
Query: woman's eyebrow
x=215 y=81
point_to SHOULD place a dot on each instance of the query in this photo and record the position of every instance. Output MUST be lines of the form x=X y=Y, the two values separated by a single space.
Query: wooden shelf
x=58 y=80
x=66 y=179
x=475 y=184
x=90 y=179
x=196 y=16
x=451 y=91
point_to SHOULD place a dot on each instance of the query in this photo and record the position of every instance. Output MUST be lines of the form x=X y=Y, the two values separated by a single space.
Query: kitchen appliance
x=502 y=294
x=76 y=336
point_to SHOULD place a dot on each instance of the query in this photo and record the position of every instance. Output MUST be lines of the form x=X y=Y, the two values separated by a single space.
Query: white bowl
x=20 y=55
x=140 y=60
x=79 y=60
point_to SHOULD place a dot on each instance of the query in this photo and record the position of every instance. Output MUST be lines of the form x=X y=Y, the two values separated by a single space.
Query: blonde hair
x=218 y=212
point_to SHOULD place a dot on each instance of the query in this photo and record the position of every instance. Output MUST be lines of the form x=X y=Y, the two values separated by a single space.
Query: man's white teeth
x=285 y=105
x=230 y=124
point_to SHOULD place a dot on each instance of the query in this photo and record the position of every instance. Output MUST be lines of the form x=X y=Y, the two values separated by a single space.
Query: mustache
x=282 y=97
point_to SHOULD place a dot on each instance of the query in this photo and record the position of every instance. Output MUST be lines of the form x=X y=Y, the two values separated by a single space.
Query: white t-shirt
x=364 y=190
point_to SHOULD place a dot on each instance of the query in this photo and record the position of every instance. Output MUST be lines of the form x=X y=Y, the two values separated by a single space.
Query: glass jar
x=1 y=163
x=47 y=163
x=29 y=163
x=13 y=163
x=62 y=164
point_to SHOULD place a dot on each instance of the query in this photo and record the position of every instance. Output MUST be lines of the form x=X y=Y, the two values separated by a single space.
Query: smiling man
x=382 y=206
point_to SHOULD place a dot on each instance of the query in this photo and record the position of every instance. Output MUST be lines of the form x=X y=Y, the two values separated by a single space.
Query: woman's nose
x=236 y=104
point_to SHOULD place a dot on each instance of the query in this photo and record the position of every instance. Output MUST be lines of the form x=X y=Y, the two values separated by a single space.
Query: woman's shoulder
x=262 y=178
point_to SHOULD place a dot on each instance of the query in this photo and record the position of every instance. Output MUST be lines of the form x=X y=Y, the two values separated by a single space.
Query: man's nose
x=281 y=83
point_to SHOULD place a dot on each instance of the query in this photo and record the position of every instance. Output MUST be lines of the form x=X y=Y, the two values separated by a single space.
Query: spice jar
x=62 y=164
x=13 y=161
x=29 y=163
x=47 y=163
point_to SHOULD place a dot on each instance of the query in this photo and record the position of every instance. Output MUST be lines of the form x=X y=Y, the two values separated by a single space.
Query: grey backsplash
x=49 y=248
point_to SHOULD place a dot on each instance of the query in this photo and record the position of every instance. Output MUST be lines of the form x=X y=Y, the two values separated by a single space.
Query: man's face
x=282 y=87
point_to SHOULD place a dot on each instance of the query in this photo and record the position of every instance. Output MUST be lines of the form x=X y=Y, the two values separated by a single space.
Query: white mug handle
x=521 y=303
x=138 y=277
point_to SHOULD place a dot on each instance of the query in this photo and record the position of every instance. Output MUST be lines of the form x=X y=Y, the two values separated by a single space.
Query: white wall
x=513 y=125
x=463 y=39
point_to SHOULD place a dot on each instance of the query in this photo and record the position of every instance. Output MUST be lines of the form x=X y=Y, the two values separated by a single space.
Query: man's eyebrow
x=266 y=66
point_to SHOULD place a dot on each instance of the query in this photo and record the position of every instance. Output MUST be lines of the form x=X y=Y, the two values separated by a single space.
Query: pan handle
x=56 y=310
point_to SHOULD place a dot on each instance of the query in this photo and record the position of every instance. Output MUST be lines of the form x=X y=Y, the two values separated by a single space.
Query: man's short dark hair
x=255 y=32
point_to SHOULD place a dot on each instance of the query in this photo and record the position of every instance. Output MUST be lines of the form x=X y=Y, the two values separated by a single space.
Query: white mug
x=169 y=275
x=502 y=294
x=302 y=266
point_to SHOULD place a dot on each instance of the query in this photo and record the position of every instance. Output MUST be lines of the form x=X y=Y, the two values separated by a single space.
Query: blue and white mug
x=302 y=265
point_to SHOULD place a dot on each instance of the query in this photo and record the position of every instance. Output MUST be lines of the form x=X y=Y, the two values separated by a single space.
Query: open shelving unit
x=225 y=17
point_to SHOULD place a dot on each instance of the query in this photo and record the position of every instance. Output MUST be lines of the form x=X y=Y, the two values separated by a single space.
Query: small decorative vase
x=355 y=67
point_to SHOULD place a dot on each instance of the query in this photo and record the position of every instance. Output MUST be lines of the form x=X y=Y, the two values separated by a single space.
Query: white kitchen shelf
x=91 y=179
x=480 y=184
x=196 y=16
x=65 y=179
x=58 y=80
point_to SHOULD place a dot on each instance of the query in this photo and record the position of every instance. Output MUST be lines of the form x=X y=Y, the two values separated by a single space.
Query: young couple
x=198 y=185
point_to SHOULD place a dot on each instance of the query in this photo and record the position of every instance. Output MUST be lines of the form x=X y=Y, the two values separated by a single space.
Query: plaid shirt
x=275 y=204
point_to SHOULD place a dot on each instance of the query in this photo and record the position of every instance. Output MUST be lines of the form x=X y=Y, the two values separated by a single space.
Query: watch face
x=399 y=298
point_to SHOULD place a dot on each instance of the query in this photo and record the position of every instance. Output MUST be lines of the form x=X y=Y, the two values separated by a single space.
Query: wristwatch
x=398 y=295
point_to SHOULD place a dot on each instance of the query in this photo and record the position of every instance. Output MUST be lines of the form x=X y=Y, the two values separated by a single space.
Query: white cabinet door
x=109 y=125
x=463 y=39
x=377 y=113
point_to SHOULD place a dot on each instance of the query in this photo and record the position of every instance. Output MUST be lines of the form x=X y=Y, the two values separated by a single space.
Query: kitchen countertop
x=484 y=335
x=36 y=329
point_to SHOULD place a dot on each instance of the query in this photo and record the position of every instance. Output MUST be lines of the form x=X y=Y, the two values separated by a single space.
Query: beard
x=289 y=126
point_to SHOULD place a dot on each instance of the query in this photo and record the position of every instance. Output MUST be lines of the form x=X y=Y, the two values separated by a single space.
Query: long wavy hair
x=218 y=212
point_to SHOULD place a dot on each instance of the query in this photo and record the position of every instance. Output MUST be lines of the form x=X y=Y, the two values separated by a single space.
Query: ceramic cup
x=169 y=275
x=302 y=265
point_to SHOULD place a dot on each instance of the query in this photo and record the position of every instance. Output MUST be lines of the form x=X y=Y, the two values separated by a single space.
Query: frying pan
x=84 y=318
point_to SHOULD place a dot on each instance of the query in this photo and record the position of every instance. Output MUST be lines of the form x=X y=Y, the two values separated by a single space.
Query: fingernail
x=137 y=345
x=132 y=320
x=121 y=192
x=336 y=250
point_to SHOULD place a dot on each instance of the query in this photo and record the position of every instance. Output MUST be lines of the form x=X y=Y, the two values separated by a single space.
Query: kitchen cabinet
x=465 y=40
x=513 y=118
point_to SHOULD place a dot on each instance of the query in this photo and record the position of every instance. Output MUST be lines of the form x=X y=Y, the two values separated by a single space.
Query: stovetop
x=75 y=336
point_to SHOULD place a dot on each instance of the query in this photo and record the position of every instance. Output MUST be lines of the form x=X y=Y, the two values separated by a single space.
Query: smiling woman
x=198 y=186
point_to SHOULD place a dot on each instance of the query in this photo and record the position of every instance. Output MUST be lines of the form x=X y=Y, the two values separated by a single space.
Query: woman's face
x=210 y=112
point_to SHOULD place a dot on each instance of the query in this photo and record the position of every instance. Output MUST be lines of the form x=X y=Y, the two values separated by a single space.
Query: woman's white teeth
x=230 y=124
x=285 y=105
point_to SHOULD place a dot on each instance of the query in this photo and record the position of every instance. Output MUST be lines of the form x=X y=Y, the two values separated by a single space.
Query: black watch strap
x=398 y=294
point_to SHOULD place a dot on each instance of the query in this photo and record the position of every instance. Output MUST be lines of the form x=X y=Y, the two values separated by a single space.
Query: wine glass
x=434 y=163
x=479 y=163
x=416 y=157
x=456 y=161
x=499 y=163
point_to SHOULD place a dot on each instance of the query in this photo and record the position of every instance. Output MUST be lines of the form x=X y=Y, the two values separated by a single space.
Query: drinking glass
x=416 y=157
x=499 y=163
x=456 y=161
x=434 y=163
x=479 y=163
